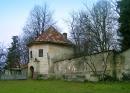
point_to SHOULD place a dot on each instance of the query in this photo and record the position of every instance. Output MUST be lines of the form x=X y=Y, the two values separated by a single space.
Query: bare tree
x=3 y=55
x=24 y=56
x=116 y=4
x=39 y=20
x=94 y=29
x=75 y=32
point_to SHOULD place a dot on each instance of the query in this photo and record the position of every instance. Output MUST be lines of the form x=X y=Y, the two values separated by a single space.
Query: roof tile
x=52 y=35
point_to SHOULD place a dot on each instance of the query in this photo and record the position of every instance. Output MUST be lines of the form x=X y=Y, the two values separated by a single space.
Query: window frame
x=31 y=54
x=40 y=53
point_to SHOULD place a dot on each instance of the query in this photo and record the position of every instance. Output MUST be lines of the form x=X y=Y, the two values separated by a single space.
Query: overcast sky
x=14 y=14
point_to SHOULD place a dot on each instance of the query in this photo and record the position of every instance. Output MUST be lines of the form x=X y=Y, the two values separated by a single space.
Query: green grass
x=57 y=86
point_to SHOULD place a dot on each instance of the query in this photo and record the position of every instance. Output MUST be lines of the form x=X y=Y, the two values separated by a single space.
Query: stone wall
x=59 y=61
x=86 y=65
x=126 y=63
x=119 y=65
x=101 y=63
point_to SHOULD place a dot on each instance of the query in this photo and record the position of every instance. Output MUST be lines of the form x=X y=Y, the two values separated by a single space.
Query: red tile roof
x=51 y=35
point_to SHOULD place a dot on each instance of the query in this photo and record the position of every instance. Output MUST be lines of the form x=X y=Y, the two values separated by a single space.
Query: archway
x=32 y=71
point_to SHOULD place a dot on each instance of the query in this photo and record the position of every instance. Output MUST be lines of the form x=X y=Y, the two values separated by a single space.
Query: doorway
x=32 y=72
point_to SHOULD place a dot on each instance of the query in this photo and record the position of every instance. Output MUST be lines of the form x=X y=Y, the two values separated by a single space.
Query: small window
x=31 y=54
x=40 y=52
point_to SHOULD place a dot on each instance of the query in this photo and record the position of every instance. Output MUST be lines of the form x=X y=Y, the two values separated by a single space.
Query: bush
x=41 y=76
x=125 y=76
x=107 y=78
x=52 y=76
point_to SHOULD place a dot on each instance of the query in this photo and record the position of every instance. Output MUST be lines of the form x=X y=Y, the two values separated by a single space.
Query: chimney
x=65 y=35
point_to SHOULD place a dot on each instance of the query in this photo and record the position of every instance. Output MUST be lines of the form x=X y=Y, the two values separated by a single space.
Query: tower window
x=31 y=56
x=40 y=52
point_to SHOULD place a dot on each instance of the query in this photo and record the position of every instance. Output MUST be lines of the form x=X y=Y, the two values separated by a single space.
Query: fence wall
x=13 y=75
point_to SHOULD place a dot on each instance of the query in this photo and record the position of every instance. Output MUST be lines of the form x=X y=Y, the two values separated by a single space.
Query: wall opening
x=32 y=72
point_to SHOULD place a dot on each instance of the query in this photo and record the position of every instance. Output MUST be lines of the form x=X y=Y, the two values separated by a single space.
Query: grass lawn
x=57 y=86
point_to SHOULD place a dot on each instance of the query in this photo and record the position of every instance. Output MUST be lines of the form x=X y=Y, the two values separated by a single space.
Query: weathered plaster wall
x=51 y=53
x=60 y=52
x=40 y=67
x=80 y=65
x=58 y=60
x=119 y=59
x=126 y=60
